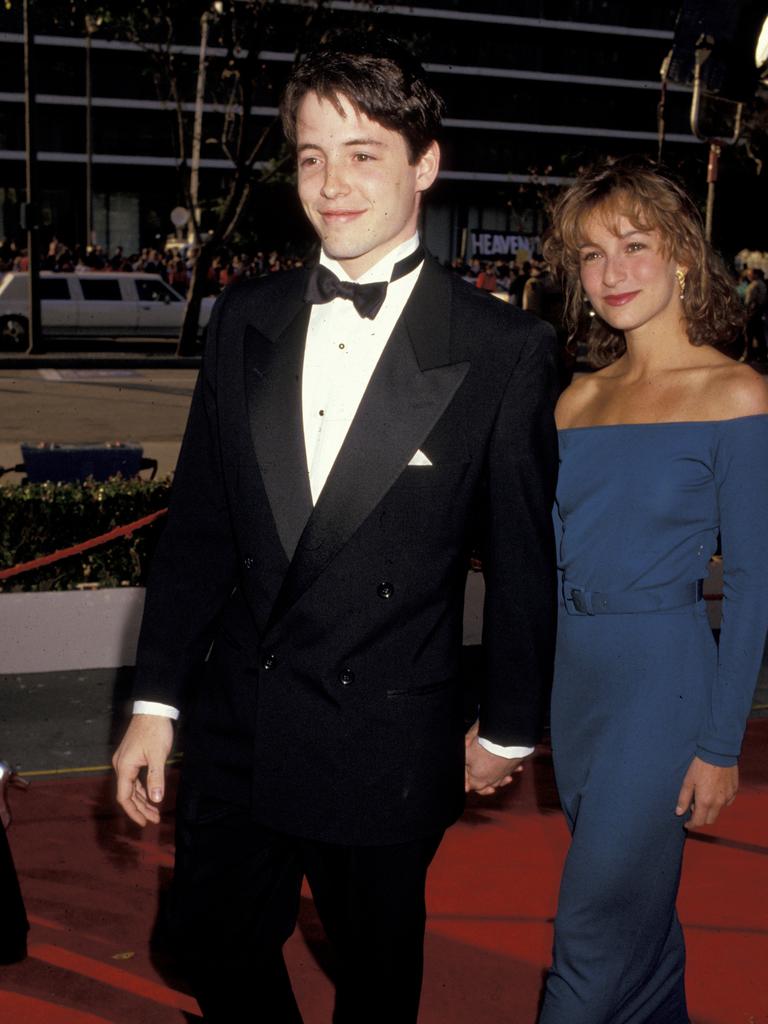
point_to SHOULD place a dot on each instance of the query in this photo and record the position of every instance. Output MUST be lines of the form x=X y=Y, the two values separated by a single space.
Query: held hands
x=706 y=789
x=485 y=772
x=146 y=744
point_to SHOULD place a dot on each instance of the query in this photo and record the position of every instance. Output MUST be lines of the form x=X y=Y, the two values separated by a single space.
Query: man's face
x=356 y=183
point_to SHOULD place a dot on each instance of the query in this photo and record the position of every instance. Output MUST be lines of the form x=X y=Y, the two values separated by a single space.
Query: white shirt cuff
x=495 y=748
x=150 y=707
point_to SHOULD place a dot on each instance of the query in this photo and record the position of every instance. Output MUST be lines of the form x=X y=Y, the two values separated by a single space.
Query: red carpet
x=91 y=884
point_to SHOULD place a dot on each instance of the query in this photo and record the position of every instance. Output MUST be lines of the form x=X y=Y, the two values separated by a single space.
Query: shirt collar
x=381 y=271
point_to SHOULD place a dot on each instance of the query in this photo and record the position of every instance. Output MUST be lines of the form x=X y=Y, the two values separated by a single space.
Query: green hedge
x=38 y=519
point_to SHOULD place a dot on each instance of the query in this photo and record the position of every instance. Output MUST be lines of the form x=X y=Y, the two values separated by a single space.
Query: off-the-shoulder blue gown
x=641 y=687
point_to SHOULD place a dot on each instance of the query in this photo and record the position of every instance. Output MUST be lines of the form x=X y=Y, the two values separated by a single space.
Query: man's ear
x=427 y=167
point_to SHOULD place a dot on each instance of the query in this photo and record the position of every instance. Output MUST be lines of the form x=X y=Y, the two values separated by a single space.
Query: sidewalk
x=141 y=403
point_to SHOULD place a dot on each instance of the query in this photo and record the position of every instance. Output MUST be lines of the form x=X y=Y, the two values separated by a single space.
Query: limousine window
x=54 y=288
x=156 y=291
x=103 y=290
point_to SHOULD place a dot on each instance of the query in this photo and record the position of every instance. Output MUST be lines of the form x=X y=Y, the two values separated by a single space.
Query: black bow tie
x=323 y=286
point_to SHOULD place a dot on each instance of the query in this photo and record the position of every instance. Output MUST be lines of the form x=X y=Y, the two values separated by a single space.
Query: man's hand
x=706 y=789
x=147 y=743
x=485 y=772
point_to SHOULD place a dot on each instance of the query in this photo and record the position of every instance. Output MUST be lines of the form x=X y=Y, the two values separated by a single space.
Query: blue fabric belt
x=651 y=599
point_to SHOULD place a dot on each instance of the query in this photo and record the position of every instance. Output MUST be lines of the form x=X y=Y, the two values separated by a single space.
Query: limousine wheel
x=13 y=333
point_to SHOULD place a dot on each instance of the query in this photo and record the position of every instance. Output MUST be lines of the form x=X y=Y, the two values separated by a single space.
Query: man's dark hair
x=379 y=77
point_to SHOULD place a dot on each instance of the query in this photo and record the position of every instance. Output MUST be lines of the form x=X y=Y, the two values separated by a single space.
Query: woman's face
x=626 y=275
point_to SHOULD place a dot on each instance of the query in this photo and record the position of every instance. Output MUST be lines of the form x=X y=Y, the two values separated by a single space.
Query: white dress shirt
x=341 y=352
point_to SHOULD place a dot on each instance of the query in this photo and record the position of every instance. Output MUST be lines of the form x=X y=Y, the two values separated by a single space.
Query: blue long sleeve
x=741 y=481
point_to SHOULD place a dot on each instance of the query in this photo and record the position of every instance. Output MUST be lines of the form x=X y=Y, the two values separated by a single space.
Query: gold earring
x=680 y=275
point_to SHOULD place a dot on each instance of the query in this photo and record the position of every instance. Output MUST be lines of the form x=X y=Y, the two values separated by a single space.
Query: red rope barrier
x=76 y=549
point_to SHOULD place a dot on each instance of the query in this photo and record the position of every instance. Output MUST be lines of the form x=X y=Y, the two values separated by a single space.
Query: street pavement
x=63 y=722
x=100 y=403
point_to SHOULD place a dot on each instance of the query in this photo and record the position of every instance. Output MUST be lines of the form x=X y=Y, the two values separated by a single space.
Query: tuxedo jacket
x=314 y=651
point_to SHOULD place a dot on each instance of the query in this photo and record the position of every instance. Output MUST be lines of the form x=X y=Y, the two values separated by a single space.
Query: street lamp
x=92 y=25
x=761 y=51
x=713 y=49
x=30 y=209
x=216 y=9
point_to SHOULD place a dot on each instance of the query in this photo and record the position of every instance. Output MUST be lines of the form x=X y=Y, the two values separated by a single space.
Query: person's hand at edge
x=146 y=744
x=706 y=789
x=485 y=772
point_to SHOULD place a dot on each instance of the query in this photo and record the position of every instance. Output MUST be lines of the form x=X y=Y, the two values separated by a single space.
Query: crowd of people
x=527 y=283
x=531 y=285
x=754 y=294
x=173 y=263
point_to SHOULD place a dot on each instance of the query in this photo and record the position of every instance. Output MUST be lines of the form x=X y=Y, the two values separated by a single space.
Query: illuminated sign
x=498 y=244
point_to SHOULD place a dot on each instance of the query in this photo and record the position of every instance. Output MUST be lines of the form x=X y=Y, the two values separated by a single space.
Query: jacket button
x=269 y=661
x=248 y=562
x=346 y=676
x=385 y=590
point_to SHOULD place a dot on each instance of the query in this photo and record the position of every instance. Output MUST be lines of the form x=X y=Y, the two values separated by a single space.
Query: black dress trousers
x=235 y=902
x=13 y=920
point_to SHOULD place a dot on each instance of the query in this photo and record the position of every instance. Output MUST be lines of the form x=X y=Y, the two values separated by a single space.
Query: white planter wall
x=73 y=629
x=82 y=629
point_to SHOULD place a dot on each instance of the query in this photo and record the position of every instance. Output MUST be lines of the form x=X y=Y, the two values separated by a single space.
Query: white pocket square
x=420 y=459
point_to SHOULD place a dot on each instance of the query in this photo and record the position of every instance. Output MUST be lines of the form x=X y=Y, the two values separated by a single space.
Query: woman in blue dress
x=664 y=450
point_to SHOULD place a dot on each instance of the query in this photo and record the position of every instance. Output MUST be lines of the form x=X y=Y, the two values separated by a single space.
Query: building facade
x=530 y=99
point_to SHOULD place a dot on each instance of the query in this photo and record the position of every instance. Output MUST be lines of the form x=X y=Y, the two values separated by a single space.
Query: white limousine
x=94 y=305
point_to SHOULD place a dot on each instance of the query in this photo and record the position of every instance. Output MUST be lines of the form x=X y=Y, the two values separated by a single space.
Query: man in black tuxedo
x=354 y=429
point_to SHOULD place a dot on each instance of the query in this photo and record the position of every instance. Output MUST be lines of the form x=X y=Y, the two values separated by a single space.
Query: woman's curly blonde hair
x=649 y=197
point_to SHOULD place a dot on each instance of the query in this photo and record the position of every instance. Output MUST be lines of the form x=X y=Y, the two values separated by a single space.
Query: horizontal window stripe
x=120 y=103
x=546 y=24
x=491 y=19
x=44 y=156
x=547 y=76
x=562 y=129
x=522 y=179
x=167 y=161
x=449 y=122
x=466 y=71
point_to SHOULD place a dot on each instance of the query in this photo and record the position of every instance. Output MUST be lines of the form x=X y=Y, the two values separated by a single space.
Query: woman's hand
x=485 y=772
x=706 y=789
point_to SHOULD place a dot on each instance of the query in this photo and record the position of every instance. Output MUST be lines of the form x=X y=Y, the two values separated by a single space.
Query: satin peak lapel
x=401 y=405
x=273 y=384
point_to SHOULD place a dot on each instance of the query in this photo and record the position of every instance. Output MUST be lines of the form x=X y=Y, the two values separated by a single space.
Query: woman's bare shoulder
x=735 y=390
x=584 y=389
